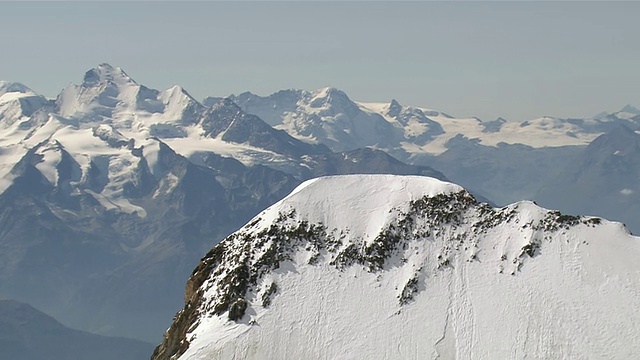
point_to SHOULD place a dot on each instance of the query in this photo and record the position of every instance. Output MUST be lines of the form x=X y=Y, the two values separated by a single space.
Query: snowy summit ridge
x=442 y=276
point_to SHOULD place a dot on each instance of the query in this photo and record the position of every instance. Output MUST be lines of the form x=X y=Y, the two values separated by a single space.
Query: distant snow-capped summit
x=107 y=92
x=330 y=117
x=18 y=103
x=105 y=73
x=13 y=87
x=630 y=109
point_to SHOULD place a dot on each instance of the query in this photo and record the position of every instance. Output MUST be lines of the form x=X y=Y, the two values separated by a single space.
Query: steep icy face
x=410 y=267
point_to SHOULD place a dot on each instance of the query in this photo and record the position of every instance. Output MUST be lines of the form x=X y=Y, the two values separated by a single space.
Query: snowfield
x=463 y=280
x=330 y=117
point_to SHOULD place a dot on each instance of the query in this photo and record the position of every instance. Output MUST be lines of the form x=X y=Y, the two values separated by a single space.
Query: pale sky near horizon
x=518 y=60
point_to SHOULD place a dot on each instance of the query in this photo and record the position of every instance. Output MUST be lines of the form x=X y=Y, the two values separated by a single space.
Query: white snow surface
x=541 y=132
x=101 y=121
x=328 y=116
x=369 y=203
x=577 y=298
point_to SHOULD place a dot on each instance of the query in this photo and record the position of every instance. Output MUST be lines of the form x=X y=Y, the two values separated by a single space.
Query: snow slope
x=395 y=267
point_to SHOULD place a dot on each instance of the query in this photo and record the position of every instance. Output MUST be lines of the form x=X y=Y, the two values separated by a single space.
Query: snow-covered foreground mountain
x=405 y=267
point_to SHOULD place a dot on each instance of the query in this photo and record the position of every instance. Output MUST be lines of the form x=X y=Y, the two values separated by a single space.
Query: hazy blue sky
x=512 y=59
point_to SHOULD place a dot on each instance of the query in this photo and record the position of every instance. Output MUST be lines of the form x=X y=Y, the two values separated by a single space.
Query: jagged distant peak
x=630 y=109
x=394 y=108
x=13 y=87
x=329 y=97
x=105 y=73
x=226 y=102
x=177 y=89
x=285 y=92
x=209 y=101
x=329 y=91
x=177 y=93
x=243 y=94
x=394 y=103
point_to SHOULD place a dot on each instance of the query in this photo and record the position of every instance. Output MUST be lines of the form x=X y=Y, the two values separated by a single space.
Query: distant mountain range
x=505 y=161
x=327 y=116
x=111 y=192
x=602 y=179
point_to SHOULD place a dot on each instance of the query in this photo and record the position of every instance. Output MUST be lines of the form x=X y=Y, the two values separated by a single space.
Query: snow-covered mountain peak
x=13 y=87
x=105 y=73
x=394 y=108
x=441 y=276
x=328 y=97
x=180 y=105
x=176 y=92
x=369 y=198
x=105 y=90
x=630 y=109
x=109 y=94
x=328 y=91
x=17 y=102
